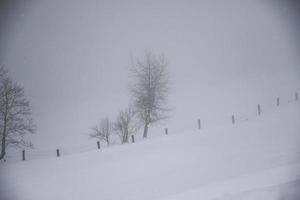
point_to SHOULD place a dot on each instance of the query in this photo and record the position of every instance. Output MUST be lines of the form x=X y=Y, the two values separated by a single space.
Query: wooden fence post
x=166 y=131
x=132 y=138
x=98 y=144
x=57 y=153
x=23 y=155
x=199 y=124
x=277 y=101
x=232 y=119
x=258 y=109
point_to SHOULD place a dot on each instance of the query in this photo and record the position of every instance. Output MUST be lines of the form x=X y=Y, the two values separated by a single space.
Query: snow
x=222 y=162
x=288 y=190
x=246 y=186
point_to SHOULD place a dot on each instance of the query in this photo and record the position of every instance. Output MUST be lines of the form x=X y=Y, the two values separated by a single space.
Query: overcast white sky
x=73 y=57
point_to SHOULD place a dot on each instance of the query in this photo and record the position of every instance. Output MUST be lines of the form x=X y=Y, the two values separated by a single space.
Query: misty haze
x=149 y=100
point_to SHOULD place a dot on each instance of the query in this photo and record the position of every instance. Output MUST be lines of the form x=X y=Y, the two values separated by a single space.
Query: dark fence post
x=199 y=124
x=166 y=131
x=258 y=109
x=132 y=138
x=98 y=144
x=277 y=101
x=232 y=119
x=296 y=96
x=23 y=155
x=57 y=153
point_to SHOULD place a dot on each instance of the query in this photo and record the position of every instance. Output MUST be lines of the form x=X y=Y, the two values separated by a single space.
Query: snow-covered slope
x=272 y=184
x=263 y=149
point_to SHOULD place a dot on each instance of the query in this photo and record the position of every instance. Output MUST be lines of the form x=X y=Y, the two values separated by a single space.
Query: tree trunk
x=2 y=154
x=126 y=135
x=3 y=140
x=145 y=131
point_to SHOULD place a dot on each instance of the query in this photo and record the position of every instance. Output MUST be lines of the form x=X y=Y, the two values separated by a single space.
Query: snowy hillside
x=248 y=160
x=149 y=100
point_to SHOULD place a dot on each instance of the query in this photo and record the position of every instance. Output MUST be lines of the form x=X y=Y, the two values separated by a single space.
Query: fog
x=73 y=58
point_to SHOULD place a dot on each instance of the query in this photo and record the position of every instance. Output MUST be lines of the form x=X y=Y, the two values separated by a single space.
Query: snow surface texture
x=253 y=159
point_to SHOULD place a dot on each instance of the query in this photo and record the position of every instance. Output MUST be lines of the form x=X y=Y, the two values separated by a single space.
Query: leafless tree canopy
x=15 y=114
x=150 y=89
x=103 y=130
x=124 y=125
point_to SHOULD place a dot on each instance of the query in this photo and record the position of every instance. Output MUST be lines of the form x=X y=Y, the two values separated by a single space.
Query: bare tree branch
x=150 y=89
x=125 y=125
x=15 y=112
x=102 y=131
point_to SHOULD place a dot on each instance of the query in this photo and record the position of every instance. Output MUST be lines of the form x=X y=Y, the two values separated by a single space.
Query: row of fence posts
x=166 y=130
x=258 y=110
x=98 y=146
x=57 y=154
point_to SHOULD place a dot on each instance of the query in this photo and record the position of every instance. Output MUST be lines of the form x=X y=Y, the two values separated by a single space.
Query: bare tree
x=150 y=89
x=103 y=130
x=124 y=125
x=15 y=115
